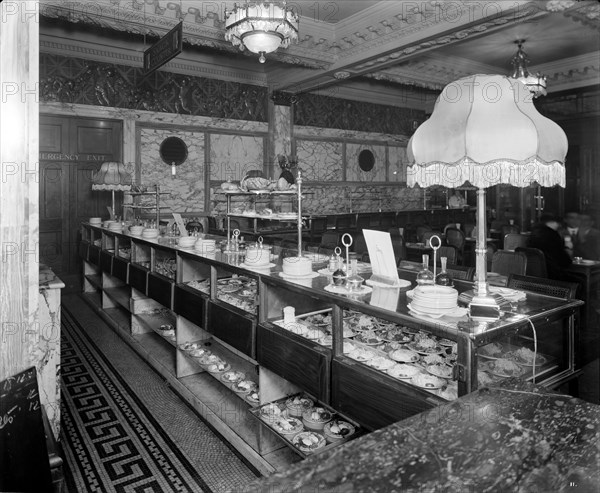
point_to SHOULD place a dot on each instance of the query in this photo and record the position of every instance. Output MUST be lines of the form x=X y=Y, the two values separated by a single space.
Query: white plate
x=425 y=381
x=304 y=276
x=404 y=356
x=422 y=350
x=433 y=369
x=455 y=312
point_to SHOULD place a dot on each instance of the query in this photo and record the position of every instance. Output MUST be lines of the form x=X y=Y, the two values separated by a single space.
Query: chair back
x=448 y=251
x=512 y=241
x=399 y=248
x=343 y=222
x=387 y=220
x=456 y=238
x=468 y=229
x=536 y=261
x=330 y=239
x=359 y=244
x=506 y=263
x=559 y=289
x=421 y=230
x=363 y=221
x=461 y=272
x=429 y=234
x=510 y=228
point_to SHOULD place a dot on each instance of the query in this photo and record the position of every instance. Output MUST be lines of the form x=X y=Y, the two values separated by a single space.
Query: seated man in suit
x=545 y=237
x=588 y=239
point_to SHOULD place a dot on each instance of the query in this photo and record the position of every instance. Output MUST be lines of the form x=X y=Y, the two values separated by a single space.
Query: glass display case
x=365 y=356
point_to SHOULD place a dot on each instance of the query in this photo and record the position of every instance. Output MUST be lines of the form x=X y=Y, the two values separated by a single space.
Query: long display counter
x=202 y=318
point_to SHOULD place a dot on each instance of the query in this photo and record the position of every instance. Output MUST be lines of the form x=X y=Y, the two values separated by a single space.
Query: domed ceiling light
x=535 y=83
x=261 y=27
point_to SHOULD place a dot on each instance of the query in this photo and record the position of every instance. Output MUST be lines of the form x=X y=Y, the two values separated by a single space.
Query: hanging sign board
x=166 y=48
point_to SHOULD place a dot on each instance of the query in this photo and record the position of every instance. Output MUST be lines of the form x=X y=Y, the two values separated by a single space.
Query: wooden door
x=71 y=151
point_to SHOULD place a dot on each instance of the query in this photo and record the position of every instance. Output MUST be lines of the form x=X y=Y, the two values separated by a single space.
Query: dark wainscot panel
x=191 y=304
x=106 y=261
x=94 y=255
x=298 y=360
x=138 y=278
x=233 y=328
x=160 y=289
x=84 y=247
x=120 y=269
x=374 y=400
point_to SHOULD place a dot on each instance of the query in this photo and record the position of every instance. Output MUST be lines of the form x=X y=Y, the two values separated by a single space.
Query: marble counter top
x=48 y=279
x=512 y=437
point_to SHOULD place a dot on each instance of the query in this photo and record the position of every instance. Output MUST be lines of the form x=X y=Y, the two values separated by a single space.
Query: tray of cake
x=305 y=424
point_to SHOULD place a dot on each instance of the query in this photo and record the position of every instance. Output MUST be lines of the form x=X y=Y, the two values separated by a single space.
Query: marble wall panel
x=353 y=170
x=324 y=199
x=398 y=161
x=320 y=160
x=186 y=189
x=231 y=156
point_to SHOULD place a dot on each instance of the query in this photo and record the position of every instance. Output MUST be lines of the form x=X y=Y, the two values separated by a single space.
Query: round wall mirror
x=173 y=151
x=366 y=160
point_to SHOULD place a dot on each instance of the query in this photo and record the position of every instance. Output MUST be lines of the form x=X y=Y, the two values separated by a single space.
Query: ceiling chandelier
x=535 y=83
x=261 y=27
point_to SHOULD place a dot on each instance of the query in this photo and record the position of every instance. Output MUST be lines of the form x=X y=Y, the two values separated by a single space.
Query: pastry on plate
x=309 y=441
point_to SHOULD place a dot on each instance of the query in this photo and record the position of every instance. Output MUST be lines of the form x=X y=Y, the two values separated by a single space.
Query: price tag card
x=383 y=261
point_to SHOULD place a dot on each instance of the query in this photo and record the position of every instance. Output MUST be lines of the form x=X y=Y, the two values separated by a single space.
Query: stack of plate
x=205 y=246
x=96 y=221
x=434 y=299
x=115 y=226
x=150 y=233
x=136 y=230
x=186 y=241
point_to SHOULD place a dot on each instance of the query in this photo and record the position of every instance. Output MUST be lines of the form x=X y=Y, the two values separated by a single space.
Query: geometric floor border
x=109 y=440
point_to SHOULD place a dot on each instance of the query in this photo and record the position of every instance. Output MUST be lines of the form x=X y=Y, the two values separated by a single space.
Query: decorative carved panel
x=75 y=80
x=327 y=112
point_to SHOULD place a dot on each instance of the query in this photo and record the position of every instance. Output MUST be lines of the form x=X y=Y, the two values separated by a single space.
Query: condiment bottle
x=425 y=276
x=339 y=276
x=443 y=278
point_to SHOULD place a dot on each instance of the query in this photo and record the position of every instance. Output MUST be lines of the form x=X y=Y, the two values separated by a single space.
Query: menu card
x=180 y=224
x=383 y=261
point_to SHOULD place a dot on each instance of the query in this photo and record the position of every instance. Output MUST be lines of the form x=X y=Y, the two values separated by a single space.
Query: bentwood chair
x=330 y=239
x=536 y=262
x=559 y=289
x=512 y=241
x=449 y=252
x=506 y=263
x=460 y=272
x=456 y=238
x=421 y=230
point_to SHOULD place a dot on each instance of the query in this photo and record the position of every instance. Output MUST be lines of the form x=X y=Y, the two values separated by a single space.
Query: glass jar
x=425 y=276
x=354 y=281
x=443 y=278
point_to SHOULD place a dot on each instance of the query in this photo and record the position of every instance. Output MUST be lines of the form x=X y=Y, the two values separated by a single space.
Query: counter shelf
x=288 y=439
x=233 y=363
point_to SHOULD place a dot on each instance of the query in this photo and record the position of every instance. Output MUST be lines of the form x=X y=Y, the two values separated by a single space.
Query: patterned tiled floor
x=212 y=465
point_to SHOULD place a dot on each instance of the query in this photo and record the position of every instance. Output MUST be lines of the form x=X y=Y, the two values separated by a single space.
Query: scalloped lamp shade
x=111 y=176
x=484 y=129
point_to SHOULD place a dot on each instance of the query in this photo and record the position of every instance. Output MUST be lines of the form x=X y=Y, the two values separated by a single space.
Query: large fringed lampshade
x=112 y=176
x=485 y=130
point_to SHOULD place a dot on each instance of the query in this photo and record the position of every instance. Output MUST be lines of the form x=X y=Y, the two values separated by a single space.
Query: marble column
x=280 y=130
x=19 y=194
x=46 y=355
